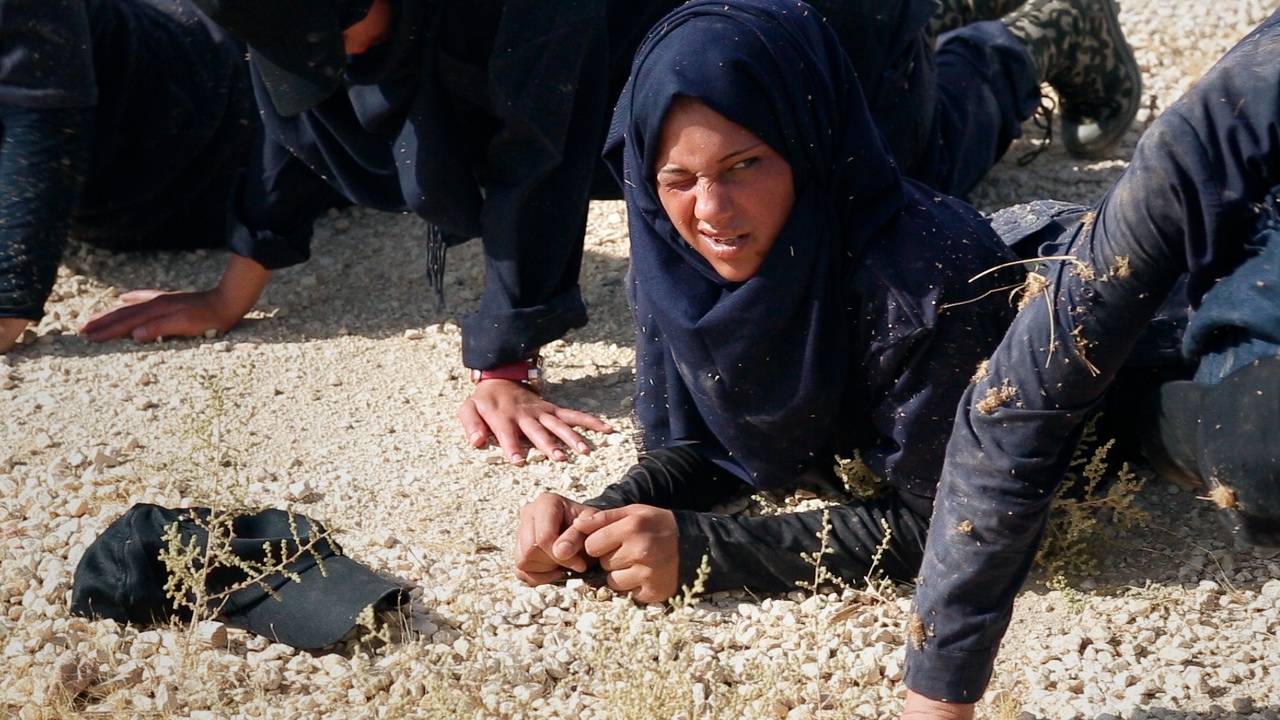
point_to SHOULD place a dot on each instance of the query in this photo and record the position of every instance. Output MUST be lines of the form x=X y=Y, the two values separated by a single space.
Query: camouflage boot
x=955 y=14
x=1079 y=49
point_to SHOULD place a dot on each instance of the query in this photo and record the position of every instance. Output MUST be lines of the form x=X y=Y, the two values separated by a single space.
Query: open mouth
x=726 y=243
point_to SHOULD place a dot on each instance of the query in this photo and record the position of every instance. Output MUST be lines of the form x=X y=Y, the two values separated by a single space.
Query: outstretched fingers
x=147 y=315
x=516 y=417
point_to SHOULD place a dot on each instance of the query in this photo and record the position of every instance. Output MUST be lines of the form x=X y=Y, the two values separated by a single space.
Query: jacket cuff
x=21 y=308
x=694 y=546
x=268 y=247
x=491 y=338
x=942 y=675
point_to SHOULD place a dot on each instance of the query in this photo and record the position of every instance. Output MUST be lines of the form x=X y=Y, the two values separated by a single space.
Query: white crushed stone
x=337 y=398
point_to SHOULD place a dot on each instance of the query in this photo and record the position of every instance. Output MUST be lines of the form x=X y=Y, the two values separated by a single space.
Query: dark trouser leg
x=948 y=114
x=1184 y=204
x=987 y=86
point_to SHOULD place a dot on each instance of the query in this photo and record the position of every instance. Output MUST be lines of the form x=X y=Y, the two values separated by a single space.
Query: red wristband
x=526 y=372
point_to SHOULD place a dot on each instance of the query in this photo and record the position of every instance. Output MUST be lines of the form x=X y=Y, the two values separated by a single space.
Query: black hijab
x=754 y=372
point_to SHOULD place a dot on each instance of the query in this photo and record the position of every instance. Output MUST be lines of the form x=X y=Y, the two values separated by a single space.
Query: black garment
x=1189 y=203
x=486 y=118
x=123 y=124
x=313 y=601
x=861 y=328
x=767 y=554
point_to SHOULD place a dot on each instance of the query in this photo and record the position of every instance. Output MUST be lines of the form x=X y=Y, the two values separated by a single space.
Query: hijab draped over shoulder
x=755 y=372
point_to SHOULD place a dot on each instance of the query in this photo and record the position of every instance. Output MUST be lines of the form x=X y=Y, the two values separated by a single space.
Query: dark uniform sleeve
x=274 y=207
x=674 y=478
x=768 y=554
x=1184 y=204
x=44 y=156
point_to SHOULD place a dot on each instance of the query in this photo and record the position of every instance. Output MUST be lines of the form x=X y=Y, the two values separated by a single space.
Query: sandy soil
x=337 y=398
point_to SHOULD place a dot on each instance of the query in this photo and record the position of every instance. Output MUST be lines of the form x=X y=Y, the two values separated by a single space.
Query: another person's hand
x=10 y=330
x=150 y=314
x=512 y=413
x=919 y=707
x=638 y=545
x=547 y=546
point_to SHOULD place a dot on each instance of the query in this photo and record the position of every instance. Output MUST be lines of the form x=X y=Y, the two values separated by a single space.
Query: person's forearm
x=44 y=157
x=242 y=284
x=779 y=553
x=674 y=478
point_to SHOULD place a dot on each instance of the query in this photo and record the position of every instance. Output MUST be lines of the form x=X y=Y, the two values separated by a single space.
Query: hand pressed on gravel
x=514 y=414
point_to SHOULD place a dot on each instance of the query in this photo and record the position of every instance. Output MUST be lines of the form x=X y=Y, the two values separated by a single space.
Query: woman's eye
x=746 y=163
x=676 y=183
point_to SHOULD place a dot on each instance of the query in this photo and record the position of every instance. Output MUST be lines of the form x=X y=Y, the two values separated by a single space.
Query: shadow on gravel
x=1183 y=544
x=372 y=291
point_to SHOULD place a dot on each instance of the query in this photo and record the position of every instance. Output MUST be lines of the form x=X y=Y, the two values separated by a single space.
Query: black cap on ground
x=315 y=602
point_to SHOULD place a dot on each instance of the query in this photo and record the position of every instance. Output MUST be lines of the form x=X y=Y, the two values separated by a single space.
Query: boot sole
x=1102 y=136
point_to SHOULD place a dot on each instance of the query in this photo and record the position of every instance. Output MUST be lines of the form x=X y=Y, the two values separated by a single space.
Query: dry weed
x=1034 y=285
x=981 y=373
x=1084 y=522
x=996 y=397
x=858 y=479
x=1222 y=496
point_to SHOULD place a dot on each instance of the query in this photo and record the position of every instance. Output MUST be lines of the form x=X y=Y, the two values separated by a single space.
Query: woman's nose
x=714 y=203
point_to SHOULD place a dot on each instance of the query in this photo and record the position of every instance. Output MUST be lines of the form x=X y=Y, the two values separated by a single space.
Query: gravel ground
x=337 y=399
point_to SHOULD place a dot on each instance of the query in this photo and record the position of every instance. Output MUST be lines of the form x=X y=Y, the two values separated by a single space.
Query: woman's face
x=727 y=192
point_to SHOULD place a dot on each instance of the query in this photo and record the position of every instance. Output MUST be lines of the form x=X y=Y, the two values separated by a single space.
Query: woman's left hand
x=512 y=413
x=639 y=547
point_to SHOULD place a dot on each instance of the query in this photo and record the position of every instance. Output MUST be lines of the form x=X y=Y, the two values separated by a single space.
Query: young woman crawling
x=796 y=300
